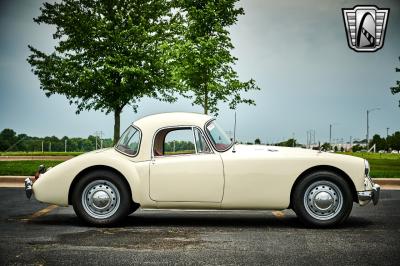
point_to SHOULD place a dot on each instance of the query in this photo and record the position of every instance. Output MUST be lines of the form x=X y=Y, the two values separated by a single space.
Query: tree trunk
x=117 y=124
x=205 y=106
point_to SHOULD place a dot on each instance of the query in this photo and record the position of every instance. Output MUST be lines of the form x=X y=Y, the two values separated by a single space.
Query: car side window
x=178 y=141
x=201 y=144
x=129 y=141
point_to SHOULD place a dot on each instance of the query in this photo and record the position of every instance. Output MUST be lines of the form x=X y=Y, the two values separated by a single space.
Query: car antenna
x=234 y=135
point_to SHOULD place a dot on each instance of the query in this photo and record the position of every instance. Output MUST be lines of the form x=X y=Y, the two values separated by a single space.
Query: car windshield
x=129 y=141
x=218 y=136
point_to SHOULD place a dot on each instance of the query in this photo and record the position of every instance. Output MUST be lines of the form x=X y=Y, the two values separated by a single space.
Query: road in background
x=39 y=234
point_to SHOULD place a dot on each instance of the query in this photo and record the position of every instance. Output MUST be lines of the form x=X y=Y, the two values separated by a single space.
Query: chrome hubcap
x=323 y=200
x=100 y=199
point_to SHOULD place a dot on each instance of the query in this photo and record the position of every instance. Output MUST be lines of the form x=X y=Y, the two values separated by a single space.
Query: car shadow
x=201 y=220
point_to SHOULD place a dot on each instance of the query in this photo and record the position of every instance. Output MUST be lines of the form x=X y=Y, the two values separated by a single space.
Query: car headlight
x=367 y=168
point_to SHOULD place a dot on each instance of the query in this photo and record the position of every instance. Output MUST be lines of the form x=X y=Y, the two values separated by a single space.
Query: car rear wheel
x=101 y=198
x=322 y=199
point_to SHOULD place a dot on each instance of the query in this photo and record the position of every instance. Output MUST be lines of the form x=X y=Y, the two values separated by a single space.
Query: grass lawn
x=23 y=168
x=39 y=153
x=382 y=165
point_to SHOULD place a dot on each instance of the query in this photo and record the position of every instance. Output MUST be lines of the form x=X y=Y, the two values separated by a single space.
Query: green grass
x=383 y=165
x=39 y=153
x=24 y=168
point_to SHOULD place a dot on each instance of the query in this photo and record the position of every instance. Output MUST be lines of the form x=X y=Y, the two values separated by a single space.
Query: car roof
x=172 y=119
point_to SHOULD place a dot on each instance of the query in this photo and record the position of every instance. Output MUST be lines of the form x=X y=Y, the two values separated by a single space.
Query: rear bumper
x=364 y=197
x=28 y=187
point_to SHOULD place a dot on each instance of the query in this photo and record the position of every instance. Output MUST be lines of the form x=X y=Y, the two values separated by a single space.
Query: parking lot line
x=278 y=214
x=42 y=212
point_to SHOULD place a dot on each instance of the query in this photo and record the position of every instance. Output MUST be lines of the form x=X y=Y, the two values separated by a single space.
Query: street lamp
x=368 y=111
x=330 y=133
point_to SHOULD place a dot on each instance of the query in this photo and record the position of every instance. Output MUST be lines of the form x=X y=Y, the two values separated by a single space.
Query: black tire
x=112 y=184
x=334 y=192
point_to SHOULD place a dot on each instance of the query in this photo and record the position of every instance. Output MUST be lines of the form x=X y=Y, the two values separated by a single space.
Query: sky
x=296 y=51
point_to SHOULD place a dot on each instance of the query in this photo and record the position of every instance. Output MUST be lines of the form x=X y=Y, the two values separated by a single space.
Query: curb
x=387 y=181
x=18 y=181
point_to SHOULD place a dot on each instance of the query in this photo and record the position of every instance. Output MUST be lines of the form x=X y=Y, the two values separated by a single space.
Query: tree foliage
x=396 y=88
x=392 y=142
x=203 y=60
x=110 y=53
x=288 y=143
x=10 y=141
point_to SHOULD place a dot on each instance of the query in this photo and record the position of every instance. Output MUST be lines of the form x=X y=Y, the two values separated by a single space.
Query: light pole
x=330 y=133
x=368 y=111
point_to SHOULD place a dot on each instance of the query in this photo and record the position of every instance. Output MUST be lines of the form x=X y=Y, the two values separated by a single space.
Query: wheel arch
x=94 y=168
x=329 y=168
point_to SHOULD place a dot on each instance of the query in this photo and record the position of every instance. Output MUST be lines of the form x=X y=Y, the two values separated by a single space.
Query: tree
x=326 y=146
x=110 y=53
x=394 y=141
x=396 y=88
x=356 y=148
x=380 y=143
x=8 y=137
x=203 y=65
x=257 y=141
x=288 y=143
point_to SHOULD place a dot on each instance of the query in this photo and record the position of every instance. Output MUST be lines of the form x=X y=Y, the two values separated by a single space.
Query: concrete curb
x=18 y=181
x=387 y=181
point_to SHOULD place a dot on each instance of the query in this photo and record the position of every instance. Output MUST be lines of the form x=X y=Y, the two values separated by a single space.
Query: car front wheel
x=101 y=198
x=322 y=199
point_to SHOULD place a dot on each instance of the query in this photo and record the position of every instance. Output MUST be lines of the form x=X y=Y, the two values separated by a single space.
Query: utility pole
x=50 y=146
x=42 y=146
x=368 y=111
x=99 y=134
x=330 y=134
x=387 y=137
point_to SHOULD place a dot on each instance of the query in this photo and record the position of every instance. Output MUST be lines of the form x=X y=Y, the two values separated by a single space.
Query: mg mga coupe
x=186 y=161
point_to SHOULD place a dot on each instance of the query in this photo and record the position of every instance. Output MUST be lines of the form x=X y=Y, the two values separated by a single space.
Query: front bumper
x=364 y=197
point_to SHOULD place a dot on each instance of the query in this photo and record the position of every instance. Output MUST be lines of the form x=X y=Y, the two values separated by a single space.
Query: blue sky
x=295 y=50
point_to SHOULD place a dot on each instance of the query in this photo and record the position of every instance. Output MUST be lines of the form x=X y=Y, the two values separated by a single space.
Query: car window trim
x=183 y=154
x=211 y=139
x=140 y=142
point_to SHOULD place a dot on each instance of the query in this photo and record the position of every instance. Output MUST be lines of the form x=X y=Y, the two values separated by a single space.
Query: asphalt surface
x=371 y=236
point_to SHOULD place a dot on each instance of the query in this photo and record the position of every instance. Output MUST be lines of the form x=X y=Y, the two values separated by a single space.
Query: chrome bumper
x=364 y=197
x=28 y=187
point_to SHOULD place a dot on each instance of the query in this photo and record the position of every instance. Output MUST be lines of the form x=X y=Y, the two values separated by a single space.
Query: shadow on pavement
x=205 y=220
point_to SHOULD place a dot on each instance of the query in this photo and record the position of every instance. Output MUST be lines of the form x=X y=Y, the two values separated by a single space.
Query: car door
x=184 y=168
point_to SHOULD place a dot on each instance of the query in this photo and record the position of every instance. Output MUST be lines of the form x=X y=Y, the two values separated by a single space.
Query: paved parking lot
x=34 y=233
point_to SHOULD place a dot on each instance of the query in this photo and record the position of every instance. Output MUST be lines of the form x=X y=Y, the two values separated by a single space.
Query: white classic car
x=186 y=161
